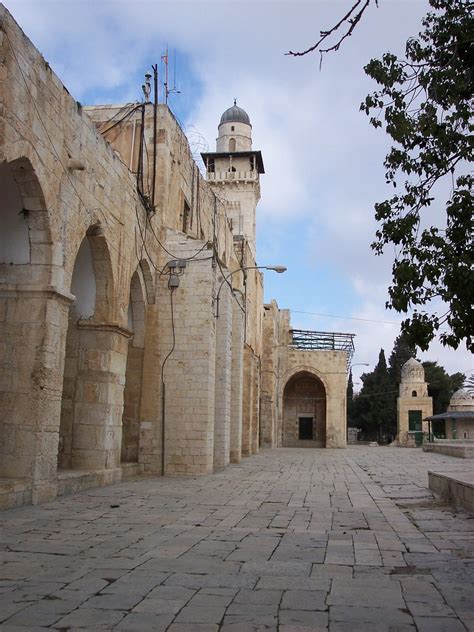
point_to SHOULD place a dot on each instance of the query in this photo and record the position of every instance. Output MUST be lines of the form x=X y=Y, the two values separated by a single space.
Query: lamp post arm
x=278 y=269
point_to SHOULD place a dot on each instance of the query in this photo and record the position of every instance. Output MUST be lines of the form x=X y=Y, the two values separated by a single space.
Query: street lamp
x=358 y=364
x=278 y=269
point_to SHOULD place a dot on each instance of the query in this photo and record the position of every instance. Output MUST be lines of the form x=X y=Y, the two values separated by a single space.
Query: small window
x=252 y=163
x=232 y=169
x=414 y=394
x=186 y=216
x=232 y=144
x=305 y=429
x=211 y=166
x=232 y=128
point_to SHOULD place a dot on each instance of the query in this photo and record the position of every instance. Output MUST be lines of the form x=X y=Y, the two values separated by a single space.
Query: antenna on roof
x=174 y=89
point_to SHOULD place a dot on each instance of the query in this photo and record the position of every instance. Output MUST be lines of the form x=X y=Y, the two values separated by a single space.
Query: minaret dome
x=235 y=131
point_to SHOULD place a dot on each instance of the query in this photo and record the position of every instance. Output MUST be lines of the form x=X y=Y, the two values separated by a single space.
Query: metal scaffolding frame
x=308 y=340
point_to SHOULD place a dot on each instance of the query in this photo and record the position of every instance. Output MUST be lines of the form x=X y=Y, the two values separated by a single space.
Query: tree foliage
x=402 y=351
x=441 y=385
x=425 y=104
x=374 y=408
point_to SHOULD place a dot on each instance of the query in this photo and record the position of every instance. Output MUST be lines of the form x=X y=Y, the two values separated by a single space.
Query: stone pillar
x=189 y=372
x=238 y=319
x=336 y=424
x=247 y=403
x=222 y=403
x=149 y=452
x=98 y=402
x=255 y=406
x=33 y=324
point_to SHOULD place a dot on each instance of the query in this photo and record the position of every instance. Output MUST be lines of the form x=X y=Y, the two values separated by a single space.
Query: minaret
x=234 y=171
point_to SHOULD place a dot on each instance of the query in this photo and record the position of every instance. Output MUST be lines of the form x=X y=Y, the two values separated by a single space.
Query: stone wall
x=298 y=383
x=85 y=305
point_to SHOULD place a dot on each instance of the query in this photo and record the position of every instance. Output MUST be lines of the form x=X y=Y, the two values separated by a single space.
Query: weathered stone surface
x=87 y=587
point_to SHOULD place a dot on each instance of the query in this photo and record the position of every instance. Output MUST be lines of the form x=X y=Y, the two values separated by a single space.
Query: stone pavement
x=290 y=540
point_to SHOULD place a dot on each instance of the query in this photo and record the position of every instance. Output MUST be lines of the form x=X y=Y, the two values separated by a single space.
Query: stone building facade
x=131 y=312
x=413 y=405
x=303 y=384
x=457 y=423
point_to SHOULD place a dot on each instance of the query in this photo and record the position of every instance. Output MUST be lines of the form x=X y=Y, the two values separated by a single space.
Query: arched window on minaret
x=232 y=144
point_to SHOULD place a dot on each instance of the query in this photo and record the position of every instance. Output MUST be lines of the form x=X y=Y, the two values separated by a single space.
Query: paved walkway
x=290 y=541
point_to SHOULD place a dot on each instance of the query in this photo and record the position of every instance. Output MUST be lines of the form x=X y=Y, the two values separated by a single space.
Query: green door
x=415 y=426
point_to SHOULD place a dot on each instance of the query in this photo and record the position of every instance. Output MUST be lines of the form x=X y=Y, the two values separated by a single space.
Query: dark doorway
x=415 y=426
x=305 y=429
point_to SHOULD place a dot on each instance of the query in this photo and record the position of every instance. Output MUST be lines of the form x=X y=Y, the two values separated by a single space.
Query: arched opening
x=28 y=326
x=88 y=356
x=134 y=373
x=14 y=238
x=414 y=394
x=232 y=144
x=304 y=412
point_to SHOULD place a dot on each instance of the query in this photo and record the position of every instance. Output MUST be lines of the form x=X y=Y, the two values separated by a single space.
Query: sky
x=323 y=161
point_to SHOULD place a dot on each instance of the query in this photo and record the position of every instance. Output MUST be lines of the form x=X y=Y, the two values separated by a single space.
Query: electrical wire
x=105 y=131
x=366 y=320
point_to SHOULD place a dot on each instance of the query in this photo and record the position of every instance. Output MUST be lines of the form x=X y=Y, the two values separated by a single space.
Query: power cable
x=366 y=320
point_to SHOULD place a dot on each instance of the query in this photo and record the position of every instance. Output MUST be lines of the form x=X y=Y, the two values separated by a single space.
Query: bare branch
x=351 y=19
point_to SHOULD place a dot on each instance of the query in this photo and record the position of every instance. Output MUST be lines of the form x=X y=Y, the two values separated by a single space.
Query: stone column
x=336 y=414
x=223 y=377
x=255 y=406
x=33 y=325
x=247 y=403
x=149 y=452
x=189 y=372
x=98 y=402
x=238 y=319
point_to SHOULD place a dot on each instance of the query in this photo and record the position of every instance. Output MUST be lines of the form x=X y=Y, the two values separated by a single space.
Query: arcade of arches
x=97 y=289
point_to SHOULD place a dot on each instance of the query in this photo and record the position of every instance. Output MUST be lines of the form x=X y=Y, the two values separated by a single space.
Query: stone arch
x=232 y=144
x=25 y=238
x=91 y=369
x=414 y=394
x=304 y=397
x=132 y=394
x=30 y=332
x=148 y=282
x=93 y=252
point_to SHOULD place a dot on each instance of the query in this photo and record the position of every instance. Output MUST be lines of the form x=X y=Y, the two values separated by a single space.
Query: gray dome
x=235 y=115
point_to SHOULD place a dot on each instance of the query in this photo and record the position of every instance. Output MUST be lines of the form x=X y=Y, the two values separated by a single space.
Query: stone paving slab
x=289 y=540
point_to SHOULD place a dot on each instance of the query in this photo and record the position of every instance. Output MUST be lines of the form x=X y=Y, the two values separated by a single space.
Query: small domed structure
x=235 y=114
x=461 y=400
x=413 y=371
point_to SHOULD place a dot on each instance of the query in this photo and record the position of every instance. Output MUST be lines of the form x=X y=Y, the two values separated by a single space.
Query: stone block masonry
x=188 y=327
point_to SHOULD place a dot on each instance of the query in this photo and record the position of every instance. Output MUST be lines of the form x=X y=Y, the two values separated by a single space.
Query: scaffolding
x=307 y=340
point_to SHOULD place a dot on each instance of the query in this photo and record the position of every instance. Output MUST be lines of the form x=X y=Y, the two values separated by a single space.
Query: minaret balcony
x=233 y=176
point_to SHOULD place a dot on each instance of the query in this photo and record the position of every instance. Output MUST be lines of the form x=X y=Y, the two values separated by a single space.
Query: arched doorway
x=134 y=373
x=90 y=425
x=304 y=412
